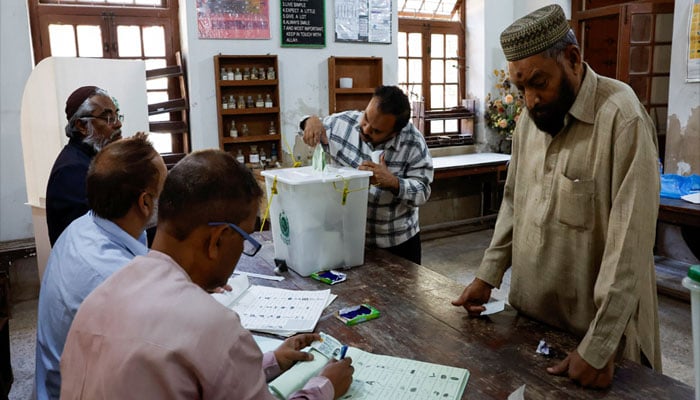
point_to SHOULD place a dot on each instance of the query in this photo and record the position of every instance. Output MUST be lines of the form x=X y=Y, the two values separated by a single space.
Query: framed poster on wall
x=303 y=23
x=363 y=21
x=233 y=19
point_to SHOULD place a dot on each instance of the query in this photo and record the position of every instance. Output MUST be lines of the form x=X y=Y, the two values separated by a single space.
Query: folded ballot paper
x=280 y=312
x=376 y=376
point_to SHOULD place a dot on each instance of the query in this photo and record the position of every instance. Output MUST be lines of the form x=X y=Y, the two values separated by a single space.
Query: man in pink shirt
x=153 y=331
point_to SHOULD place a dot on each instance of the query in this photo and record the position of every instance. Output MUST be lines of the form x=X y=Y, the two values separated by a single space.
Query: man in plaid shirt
x=402 y=175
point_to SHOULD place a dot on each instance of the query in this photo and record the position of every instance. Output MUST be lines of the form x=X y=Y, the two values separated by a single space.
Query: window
x=122 y=29
x=432 y=63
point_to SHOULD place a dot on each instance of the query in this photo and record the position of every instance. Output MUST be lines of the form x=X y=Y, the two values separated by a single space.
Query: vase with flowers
x=503 y=107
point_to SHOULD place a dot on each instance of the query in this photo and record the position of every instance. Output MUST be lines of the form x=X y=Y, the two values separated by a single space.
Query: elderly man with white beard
x=93 y=122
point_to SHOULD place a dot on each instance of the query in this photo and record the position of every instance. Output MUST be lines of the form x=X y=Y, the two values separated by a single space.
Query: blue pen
x=343 y=350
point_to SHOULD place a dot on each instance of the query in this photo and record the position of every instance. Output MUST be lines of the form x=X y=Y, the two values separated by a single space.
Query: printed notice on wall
x=364 y=21
x=694 y=44
x=303 y=23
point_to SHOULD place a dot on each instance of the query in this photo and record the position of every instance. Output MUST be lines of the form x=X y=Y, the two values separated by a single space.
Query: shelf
x=252 y=139
x=366 y=74
x=257 y=120
x=249 y=82
x=355 y=91
x=250 y=111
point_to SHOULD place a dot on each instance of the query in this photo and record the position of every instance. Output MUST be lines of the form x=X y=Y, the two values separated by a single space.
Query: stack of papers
x=280 y=312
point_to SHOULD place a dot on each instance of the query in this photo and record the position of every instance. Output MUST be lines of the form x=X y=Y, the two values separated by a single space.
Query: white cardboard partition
x=43 y=119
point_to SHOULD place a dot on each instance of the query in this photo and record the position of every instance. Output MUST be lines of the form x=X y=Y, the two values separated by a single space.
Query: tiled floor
x=455 y=253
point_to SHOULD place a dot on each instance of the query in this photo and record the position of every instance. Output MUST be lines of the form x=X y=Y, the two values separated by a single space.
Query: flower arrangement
x=503 y=109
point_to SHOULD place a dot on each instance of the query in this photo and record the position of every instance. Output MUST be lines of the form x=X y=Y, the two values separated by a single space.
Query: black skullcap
x=77 y=98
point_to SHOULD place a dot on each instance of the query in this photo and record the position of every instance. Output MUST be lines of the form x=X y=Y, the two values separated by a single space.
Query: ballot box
x=318 y=218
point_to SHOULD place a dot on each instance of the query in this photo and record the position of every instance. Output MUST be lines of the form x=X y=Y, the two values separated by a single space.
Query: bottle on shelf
x=233 y=132
x=231 y=102
x=249 y=102
x=273 y=153
x=229 y=74
x=254 y=157
x=272 y=130
x=244 y=130
x=224 y=102
x=237 y=75
x=240 y=157
x=268 y=101
x=224 y=74
x=271 y=73
x=254 y=73
x=263 y=158
x=241 y=102
x=259 y=102
x=246 y=73
x=261 y=73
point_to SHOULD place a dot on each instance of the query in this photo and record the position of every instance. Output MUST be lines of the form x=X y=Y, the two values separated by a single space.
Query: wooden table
x=418 y=322
x=679 y=212
x=492 y=166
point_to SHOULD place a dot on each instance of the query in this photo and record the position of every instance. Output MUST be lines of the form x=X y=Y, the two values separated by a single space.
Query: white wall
x=683 y=128
x=486 y=19
x=303 y=72
x=15 y=53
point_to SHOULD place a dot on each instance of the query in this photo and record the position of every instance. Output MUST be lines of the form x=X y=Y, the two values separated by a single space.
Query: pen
x=343 y=350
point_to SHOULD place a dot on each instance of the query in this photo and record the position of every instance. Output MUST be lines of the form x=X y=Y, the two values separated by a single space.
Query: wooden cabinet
x=260 y=111
x=366 y=75
x=631 y=42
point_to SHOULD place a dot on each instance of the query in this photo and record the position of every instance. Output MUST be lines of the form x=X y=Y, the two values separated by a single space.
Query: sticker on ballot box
x=356 y=314
x=330 y=277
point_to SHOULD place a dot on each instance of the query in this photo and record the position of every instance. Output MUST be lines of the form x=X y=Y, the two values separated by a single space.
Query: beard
x=550 y=117
x=96 y=141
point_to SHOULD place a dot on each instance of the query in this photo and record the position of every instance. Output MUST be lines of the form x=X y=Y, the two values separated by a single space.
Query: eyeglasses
x=109 y=119
x=250 y=245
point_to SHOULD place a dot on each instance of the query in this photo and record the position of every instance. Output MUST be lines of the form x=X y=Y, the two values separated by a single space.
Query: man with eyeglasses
x=123 y=185
x=153 y=331
x=93 y=122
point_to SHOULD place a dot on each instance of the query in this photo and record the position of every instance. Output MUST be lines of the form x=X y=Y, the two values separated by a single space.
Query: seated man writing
x=153 y=331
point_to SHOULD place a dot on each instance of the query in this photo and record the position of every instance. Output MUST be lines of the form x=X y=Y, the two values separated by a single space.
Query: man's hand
x=314 y=132
x=221 y=289
x=474 y=296
x=381 y=176
x=340 y=375
x=289 y=351
x=583 y=373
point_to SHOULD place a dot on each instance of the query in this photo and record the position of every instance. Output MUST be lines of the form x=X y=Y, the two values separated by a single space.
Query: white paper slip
x=494 y=307
x=518 y=394
x=692 y=198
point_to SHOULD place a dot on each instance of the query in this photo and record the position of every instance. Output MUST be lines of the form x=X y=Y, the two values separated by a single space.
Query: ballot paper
x=271 y=310
x=378 y=377
x=494 y=307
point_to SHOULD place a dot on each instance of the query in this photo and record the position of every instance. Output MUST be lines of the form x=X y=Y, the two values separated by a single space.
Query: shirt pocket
x=575 y=202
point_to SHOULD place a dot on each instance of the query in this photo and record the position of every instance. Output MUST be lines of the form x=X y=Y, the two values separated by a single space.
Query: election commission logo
x=284 y=228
